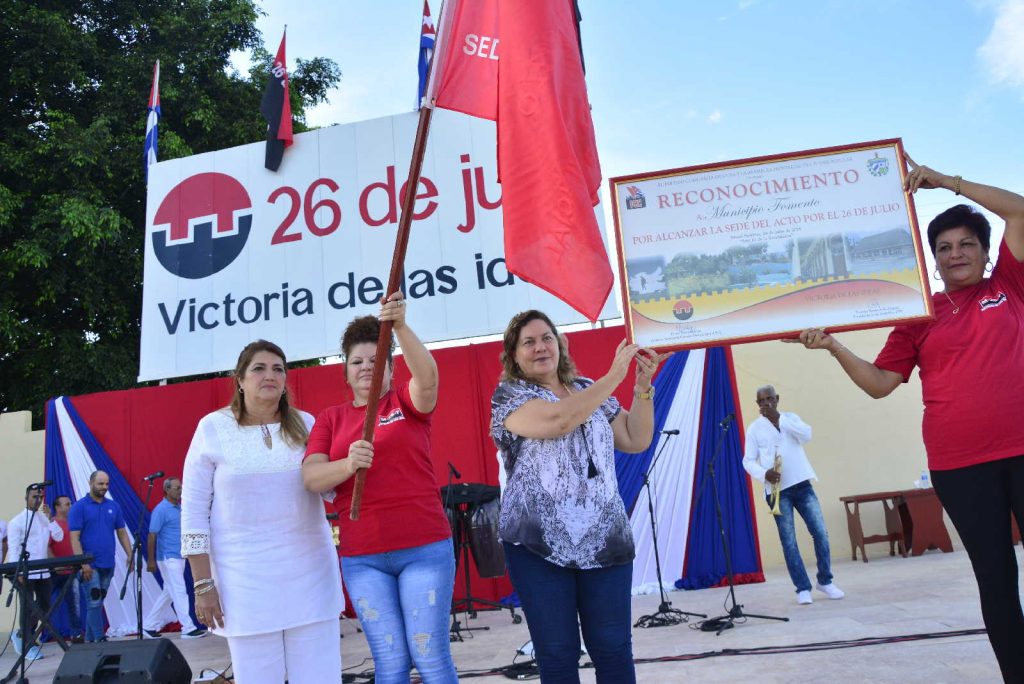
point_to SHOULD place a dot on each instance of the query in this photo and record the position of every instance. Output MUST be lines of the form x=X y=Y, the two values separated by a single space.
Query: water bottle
x=924 y=482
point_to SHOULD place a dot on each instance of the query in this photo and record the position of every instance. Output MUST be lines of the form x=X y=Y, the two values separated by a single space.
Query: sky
x=676 y=84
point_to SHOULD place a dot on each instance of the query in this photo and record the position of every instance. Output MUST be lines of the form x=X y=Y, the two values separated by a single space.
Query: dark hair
x=56 y=499
x=292 y=426
x=511 y=369
x=360 y=330
x=959 y=216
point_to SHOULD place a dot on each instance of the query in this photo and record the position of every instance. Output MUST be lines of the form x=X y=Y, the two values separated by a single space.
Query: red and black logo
x=202 y=225
x=682 y=310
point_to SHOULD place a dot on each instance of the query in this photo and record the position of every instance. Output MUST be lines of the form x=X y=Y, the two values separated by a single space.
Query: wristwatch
x=649 y=394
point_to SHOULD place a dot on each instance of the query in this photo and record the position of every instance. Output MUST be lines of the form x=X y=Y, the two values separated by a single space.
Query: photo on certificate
x=762 y=248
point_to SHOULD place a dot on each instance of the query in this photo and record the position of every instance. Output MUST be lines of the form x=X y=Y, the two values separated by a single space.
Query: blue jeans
x=95 y=591
x=802 y=498
x=72 y=599
x=554 y=598
x=403 y=599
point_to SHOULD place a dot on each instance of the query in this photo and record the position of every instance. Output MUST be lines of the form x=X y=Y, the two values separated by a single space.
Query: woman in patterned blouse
x=566 y=535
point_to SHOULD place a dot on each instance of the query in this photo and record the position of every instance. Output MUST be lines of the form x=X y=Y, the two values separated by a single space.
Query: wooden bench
x=913 y=519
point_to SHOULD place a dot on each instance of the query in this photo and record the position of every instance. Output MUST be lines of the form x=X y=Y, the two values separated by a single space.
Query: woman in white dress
x=258 y=543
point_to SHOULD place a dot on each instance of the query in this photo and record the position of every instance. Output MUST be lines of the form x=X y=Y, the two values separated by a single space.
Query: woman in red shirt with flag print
x=971 y=361
x=397 y=559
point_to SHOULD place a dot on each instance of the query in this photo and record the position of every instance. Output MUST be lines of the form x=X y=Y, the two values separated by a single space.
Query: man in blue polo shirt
x=93 y=521
x=164 y=551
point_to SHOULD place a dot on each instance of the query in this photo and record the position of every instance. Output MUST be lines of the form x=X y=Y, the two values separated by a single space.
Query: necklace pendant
x=267 y=441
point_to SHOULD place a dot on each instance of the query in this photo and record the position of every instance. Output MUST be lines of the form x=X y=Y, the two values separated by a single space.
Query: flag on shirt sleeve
x=152 y=120
x=277 y=110
x=520 y=64
x=427 y=36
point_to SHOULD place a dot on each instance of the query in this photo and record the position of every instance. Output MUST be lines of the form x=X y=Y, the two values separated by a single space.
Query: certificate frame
x=761 y=248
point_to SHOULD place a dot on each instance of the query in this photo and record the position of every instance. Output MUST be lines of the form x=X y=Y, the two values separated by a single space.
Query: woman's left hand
x=393 y=309
x=922 y=177
x=647 y=362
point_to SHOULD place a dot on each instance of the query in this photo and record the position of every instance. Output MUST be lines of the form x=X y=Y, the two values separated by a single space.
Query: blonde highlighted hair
x=293 y=428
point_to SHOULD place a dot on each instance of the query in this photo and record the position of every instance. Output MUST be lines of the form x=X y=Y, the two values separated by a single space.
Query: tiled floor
x=886 y=597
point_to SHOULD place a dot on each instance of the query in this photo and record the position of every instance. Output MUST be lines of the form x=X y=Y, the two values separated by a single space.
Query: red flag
x=277 y=110
x=547 y=156
x=466 y=59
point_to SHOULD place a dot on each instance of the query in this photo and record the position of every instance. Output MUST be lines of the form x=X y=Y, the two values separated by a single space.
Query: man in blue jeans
x=784 y=434
x=94 y=520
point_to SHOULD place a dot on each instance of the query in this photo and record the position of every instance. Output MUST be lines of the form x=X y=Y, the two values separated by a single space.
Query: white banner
x=235 y=252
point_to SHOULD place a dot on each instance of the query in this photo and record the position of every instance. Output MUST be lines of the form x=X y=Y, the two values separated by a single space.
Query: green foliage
x=72 y=185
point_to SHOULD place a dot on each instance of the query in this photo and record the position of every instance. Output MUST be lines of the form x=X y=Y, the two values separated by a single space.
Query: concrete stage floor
x=886 y=597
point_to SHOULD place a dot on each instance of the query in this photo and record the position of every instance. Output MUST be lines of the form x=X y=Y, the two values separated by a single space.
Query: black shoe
x=151 y=633
x=195 y=634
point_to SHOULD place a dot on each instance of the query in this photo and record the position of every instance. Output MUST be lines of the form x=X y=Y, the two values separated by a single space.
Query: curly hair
x=292 y=426
x=360 y=330
x=511 y=370
x=960 y=216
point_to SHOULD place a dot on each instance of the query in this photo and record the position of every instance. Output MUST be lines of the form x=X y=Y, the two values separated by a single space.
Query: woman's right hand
x=360 y=455
x=624 y=354
x=814 y=338
x=208 y=609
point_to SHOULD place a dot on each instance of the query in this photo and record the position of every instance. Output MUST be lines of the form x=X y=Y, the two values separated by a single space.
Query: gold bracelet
x=202 y=582
x=956 y=186
x=205 y=590
x=646 y=394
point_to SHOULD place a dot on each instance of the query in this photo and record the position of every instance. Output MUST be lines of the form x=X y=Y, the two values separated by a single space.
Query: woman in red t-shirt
x=971 y=361
x=397 y=559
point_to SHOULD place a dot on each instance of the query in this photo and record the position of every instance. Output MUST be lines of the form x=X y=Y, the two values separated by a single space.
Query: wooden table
x=913 y=519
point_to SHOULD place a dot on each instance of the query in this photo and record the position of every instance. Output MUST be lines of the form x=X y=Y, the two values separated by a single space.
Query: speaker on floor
x=125 y=662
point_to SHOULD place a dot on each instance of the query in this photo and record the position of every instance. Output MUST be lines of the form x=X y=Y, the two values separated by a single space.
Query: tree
x=72 y=186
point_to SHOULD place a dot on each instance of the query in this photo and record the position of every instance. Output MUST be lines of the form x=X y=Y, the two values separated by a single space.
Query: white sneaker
x=34 y=653
x=804 y=597
x=16 y=640
x=831 y=590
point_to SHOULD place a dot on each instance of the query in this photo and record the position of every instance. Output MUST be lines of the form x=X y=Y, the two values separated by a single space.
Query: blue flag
x=427 y=35
x=153 y=118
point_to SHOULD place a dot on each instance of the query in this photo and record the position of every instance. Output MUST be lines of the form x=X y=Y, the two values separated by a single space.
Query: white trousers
x=310 y=654
x=174 y=593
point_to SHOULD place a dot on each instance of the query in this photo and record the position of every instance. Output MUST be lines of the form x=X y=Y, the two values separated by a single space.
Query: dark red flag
x=547 y=155
x=277 y=110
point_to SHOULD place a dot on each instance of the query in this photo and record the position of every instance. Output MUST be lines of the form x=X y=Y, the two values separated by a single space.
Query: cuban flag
x=152 y=119
x=427 y=36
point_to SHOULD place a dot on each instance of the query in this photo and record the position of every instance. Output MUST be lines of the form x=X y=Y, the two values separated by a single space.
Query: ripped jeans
x=403 y=599
x=95 y=591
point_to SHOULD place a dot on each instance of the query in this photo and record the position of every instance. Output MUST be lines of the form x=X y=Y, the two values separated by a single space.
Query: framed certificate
x=759 y=249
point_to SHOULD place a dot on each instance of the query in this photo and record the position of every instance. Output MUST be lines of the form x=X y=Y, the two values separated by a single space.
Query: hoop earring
x=989 y=266
x=240 y=390
x=936 y=275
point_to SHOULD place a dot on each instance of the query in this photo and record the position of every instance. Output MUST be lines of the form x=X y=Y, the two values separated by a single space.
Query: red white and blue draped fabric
x=136 y=432
x=72 y=454
x=152 y=120
x=694 y=393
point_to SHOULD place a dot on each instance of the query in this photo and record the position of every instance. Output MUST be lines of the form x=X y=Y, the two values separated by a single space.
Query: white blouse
x=271 y=550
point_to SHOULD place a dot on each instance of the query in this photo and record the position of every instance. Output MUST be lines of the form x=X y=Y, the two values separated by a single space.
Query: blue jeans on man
x=95 y=591
x=801 y=497
x=72 y=600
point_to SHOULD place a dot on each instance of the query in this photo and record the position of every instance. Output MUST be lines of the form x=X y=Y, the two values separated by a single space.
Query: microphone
x=728 y=419
x=150 y=478
x=670 y=432
x=41 y=485
x=453 y=471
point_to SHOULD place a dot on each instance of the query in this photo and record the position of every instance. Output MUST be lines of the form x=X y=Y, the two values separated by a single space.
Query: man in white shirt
x=785 y=434
x=35 y=519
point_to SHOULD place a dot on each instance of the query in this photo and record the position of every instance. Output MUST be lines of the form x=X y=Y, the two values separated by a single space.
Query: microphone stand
x=735 y=612
x=666 y=614
x=137 y=555
x=21 y=584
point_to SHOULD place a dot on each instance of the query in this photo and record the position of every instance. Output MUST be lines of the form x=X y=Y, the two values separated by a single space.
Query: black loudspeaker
x=125 y=662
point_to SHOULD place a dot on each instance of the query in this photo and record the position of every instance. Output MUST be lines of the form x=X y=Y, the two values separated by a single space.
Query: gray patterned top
x=550 y=505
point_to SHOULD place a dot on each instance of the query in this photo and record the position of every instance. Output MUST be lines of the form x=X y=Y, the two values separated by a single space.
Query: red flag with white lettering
x=547 y=156
x=466 y=68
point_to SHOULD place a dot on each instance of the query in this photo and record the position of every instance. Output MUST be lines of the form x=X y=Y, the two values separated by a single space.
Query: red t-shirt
x=401 y=505
x=62 y=548
x=972 y=369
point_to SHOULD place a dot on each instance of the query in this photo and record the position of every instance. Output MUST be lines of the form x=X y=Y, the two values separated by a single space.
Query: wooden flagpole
x=394 y=280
